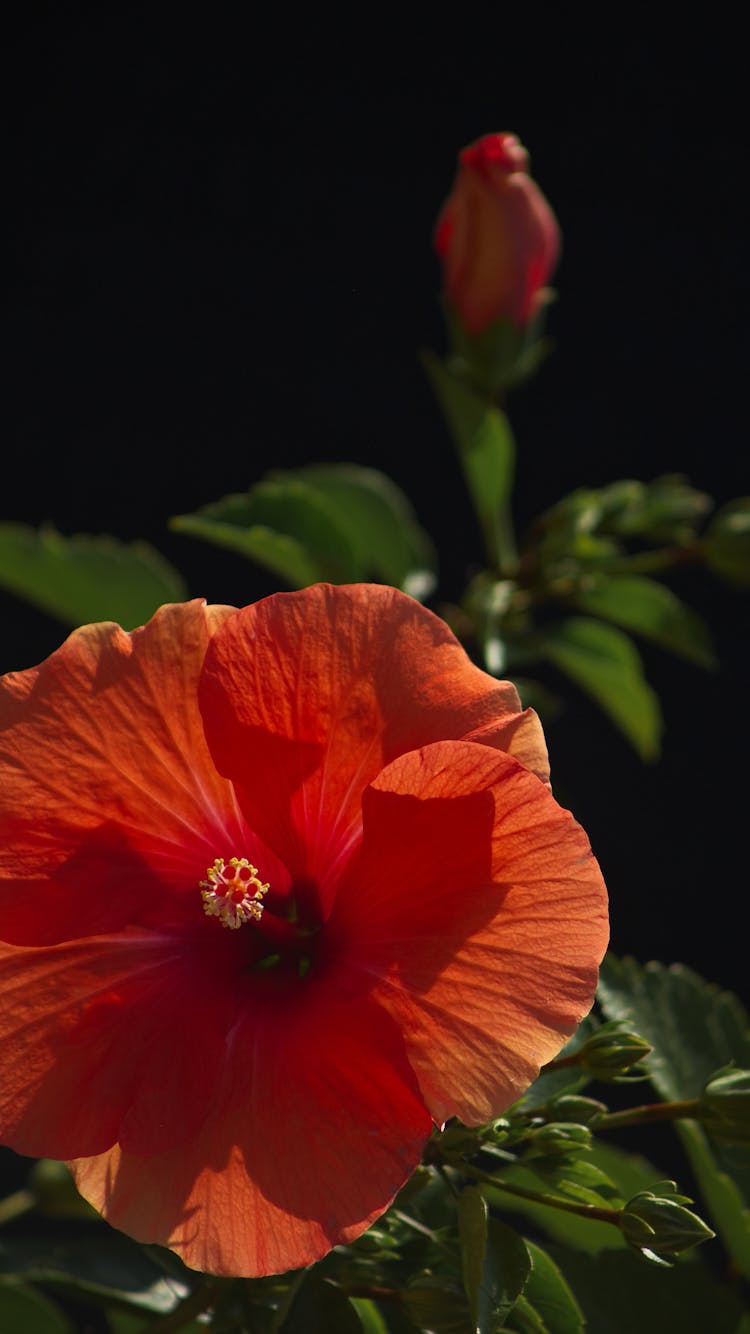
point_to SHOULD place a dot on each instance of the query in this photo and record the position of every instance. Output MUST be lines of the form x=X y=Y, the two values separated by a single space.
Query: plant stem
x=541 y=1197
x=645 y=1115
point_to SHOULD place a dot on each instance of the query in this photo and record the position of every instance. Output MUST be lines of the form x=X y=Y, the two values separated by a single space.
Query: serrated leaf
x=486 y=447
x=694 y=1029
x=388 y=542
x=605 y=662
x=472 y=1234
x=82 y=579
x=619 y=1294
x=24 y=1310
x=652 y=610
x=319 y=1307
x=548 y=1292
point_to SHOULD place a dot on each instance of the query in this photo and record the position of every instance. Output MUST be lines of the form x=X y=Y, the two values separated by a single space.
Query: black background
x=224 y=264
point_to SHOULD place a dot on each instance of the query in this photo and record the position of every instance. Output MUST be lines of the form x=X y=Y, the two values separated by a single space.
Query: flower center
x=232 y=892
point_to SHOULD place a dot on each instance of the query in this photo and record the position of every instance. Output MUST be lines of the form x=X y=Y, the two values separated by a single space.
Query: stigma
x=232 y=892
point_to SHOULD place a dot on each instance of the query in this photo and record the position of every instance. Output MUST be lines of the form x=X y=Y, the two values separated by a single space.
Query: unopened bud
x=612 y=1050
x=657 y=1222
x=573 y=1107
x=724 y=1106
x=559 y=1137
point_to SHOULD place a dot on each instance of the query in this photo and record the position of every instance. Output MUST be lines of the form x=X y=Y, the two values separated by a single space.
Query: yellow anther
x=232 y=892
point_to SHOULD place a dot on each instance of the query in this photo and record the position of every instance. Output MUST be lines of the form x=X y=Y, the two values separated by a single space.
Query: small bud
x=572 y=1107
x=656 y=1221
x=54 y=1191
x=724 y=1106
x=559 y=1137
x=612 y=1050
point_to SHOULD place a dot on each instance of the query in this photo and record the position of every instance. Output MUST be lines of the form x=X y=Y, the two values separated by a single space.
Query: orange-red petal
x=114 y=1037
x=305 y=697
x=109 y=797
x=477 y=914
x=321 y=1125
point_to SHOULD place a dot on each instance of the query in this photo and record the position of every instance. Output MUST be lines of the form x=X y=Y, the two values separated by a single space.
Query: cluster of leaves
x=606 y=1244
x=581 y=585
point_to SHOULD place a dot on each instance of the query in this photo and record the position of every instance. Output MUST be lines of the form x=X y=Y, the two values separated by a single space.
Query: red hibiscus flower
x=279 y=890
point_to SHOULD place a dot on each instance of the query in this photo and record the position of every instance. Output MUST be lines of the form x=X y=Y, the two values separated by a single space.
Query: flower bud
x=574 y=1107
x=724 y=1106
x=657 y=1222
x=497 y=237
x=612 y=1050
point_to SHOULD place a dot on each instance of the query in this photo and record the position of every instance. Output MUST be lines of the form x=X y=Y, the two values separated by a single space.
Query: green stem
x=194 y=1305
x=646 y=1115
x=16 y=1205
x=541 y=1197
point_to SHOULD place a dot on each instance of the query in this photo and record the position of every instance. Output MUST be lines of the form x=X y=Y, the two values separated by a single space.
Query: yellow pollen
x=233 y=892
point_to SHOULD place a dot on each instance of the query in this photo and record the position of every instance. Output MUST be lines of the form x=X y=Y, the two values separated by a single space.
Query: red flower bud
x=497 y=236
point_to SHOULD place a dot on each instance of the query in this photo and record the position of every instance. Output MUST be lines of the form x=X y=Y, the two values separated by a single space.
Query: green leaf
x=619 y=1294
x=694 y=1029
x=388 y=542
x=24 y=1311
x=335 y=522
x=82 y=579
x=726 y=543
x=548 y=1293
x=649 y=609
x=507 y=1266
x=110 y=1267
x=285 y=525
x=472 y=1232
x=319 y=1307
x=487 y=451
x=436 y=1304
x=370 y=1318
x=605 y=663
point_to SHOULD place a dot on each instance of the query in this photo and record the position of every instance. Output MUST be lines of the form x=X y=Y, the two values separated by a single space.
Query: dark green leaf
x=620 y=1294
x=386 y=539
x=83 y=579
x=107 y=1266
x=507 y=1267
x=472 y=1233
x=693 y=1026
x=694 y=1029
x=548 y=1293
x=649 y=609
x=319 y=1307
x=438 y=1305
x=24 y=1311
x=576 y=1179
x=726 y=544
x=605 y=662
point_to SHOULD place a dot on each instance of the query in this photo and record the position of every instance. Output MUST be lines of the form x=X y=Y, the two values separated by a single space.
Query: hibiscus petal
x=322 y=1124
x=107 y=790
x=115 y=1037
x=477 y=914
x=305 y=696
